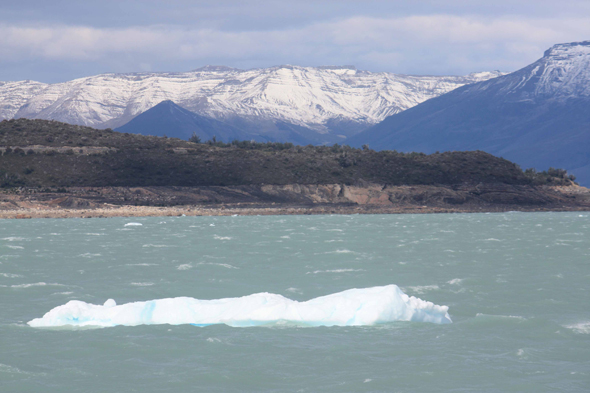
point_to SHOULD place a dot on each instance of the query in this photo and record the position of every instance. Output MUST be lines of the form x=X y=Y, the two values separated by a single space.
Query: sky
x=59 y=40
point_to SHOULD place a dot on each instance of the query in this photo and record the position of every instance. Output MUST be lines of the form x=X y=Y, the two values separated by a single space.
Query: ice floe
x=353 y=307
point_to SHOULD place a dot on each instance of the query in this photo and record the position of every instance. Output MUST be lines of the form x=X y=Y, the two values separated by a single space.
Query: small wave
x=10 y=275
x=216 y=237
x=7 y=369
x=184 y=266
x=141 y=264
x=15 y=247
x=133 y=224
x=225 y=265
x=455 y=281
x=582 y=327
x=343 y=251
x=13 y=239
x=518 y=317
x=89 y=255
x=155 y=246
x=353 y=307
x=142 y=284
x=421 y=289
x=62 y=293
x=36 y=284
x=337 y=271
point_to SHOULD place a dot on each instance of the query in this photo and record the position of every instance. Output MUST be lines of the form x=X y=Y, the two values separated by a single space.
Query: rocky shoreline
x=294 y=199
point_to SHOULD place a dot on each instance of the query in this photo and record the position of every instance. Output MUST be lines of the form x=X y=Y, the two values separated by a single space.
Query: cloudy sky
x=58 y=40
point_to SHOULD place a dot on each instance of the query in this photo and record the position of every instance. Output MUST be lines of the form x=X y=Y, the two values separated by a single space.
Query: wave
x=421 y=289
x=336 y=271
x=582 y=327
x=133 y=224
x=10 y=275
x=353 y=307
x=36 y=284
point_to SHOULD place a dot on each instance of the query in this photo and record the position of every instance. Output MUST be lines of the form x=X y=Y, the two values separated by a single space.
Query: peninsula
x=53 y=169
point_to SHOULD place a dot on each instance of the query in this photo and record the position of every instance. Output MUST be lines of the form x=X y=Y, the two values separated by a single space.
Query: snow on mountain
x=13 y=95
x=562 y=73
x=323 y=99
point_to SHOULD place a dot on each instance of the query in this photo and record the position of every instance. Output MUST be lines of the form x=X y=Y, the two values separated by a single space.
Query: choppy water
x=517 y=287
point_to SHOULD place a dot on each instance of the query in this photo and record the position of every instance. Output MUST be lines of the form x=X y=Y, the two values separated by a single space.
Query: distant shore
x=179 y=211
x=219 y=210
x=294 y=199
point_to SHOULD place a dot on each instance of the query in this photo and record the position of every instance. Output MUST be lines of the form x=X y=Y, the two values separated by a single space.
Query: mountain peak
x=568 y=50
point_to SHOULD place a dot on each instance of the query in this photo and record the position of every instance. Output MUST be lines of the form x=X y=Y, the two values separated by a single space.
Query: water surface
x=516 y=285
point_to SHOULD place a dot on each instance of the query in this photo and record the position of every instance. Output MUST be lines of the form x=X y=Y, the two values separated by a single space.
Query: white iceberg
x=353 y=307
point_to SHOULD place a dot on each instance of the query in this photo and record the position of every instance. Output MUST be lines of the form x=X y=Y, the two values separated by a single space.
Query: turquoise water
x=517 y=287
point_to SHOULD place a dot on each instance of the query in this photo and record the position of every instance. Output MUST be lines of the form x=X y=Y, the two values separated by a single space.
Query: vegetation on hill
x=42 y=153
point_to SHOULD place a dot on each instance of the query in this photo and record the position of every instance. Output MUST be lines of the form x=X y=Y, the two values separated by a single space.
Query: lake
x=517 y=287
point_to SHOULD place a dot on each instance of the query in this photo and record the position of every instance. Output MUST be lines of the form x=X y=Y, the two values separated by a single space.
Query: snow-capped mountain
x=13 y=95
x=538 y=116
x=327 y=100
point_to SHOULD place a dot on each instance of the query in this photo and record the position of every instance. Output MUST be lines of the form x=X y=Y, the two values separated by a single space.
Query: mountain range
x=300 y=104
x=538 y=116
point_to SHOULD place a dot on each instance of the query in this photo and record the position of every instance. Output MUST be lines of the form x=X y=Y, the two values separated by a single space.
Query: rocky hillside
x=40 y=153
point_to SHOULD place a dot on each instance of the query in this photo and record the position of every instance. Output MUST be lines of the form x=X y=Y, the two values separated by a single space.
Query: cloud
x=419 y=44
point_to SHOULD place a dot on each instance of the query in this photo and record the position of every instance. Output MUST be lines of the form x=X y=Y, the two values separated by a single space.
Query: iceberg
x=353 y=307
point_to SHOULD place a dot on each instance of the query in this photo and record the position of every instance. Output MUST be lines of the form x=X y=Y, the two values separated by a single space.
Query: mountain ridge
x=316 y=100
x=537 y=116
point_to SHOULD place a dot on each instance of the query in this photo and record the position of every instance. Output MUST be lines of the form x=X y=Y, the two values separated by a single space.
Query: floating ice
x=354 y=307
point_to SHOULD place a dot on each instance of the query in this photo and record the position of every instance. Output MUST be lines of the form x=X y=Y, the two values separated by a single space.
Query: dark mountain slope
x=169 y=119
x=537 y=117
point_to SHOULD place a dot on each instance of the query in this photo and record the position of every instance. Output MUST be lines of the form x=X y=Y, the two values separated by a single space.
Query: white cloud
x=413 y=44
